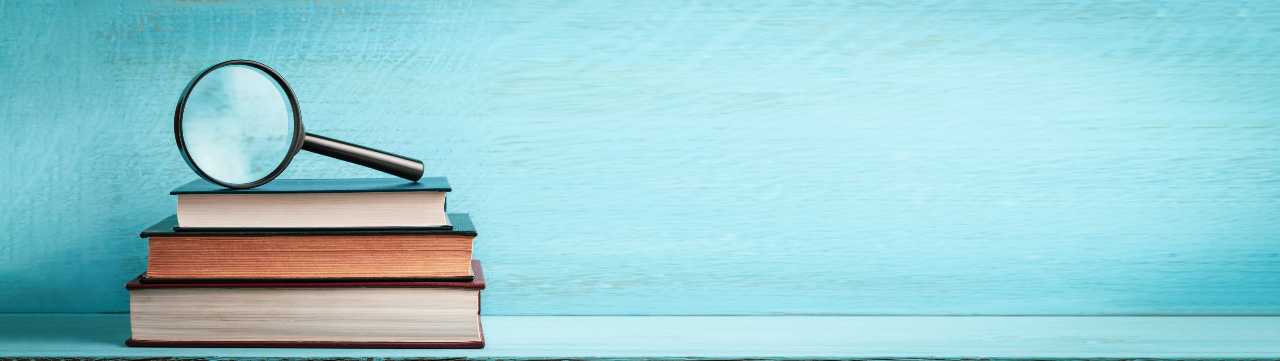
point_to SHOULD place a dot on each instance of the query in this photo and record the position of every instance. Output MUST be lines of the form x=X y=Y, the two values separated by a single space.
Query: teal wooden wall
x=723 y=157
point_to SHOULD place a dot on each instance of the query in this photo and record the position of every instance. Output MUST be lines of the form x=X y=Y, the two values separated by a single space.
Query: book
x=315 y=204
x=334 y=254
x=374 y=314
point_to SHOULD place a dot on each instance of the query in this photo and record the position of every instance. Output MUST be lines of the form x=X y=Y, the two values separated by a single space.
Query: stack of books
x=310 y=263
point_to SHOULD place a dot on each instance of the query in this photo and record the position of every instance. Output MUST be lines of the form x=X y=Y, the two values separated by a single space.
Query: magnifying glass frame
x=391 y=163
x=298 y=133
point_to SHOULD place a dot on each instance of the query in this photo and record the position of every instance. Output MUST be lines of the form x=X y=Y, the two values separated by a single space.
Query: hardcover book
x=315 y=204
x=332 y=254
x=374 y=314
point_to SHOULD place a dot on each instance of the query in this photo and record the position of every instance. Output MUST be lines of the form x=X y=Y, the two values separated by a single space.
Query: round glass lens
x=237 y=124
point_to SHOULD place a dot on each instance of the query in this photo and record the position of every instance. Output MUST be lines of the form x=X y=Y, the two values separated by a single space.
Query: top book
x=365 y=203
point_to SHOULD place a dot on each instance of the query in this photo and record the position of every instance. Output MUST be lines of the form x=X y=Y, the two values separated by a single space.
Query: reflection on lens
x=237 y=124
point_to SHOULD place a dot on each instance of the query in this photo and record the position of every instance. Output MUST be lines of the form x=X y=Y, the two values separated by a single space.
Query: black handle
x=394 y=164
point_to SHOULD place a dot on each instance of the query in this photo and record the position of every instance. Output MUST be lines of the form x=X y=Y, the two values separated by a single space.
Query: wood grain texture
x=702 y=337
x=772 y=157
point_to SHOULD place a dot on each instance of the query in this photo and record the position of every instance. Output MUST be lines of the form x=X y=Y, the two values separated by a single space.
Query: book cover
x=347 y=185
x=324 y=254
x=460 y=224
x=476 y=283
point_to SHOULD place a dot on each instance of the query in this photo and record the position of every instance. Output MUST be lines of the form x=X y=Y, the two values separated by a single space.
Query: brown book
x=372 y=314
x=329 y=254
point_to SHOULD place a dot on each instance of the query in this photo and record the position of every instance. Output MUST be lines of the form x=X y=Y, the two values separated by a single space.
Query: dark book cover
x=460 y=224
x=476 y=283
x=308 y=344
x=348 y=185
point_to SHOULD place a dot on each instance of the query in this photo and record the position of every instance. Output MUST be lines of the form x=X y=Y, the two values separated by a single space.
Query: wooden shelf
x=101 y=335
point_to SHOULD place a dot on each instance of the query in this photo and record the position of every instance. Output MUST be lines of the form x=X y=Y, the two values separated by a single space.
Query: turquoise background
x=776 y=157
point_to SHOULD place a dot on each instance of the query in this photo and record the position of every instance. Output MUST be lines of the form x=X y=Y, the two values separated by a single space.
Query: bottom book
x=374 y=314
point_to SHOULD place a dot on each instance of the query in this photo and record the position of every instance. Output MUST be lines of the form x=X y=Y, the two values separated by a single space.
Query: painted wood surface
x=515 y=337
x=724 y=157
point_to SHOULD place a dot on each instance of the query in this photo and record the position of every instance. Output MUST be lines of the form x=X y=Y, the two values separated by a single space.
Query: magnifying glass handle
x=394 y=164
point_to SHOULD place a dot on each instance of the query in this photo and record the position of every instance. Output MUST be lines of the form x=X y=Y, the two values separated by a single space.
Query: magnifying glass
x=237 y=125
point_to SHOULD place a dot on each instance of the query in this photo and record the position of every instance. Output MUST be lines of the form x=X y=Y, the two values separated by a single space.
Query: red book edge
x=476 y=282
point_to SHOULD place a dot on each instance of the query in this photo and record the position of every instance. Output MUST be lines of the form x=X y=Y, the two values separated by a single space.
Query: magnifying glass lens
x=237 y=124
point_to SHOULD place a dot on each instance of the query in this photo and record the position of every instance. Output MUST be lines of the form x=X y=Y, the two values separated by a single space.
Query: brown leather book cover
x=329 y=255
x=307 y=344
x=477 y=283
